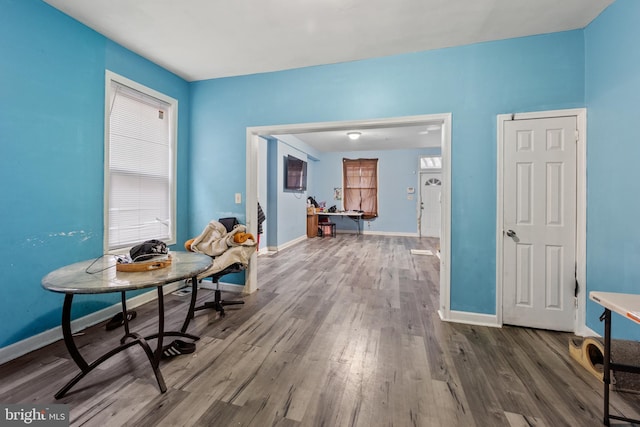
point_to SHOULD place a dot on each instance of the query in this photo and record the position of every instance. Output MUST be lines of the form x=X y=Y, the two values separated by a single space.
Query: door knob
x=511 y=233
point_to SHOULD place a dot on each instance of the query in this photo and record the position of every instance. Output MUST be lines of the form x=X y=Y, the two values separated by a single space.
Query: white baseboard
x=479 y=319
x=267 y=252
x=270 y=250
x=389 y=233
x=229 y=287
x=378 y=233
x=586 y=331
x=491 y=320
x=292 y=243
x=45 y=338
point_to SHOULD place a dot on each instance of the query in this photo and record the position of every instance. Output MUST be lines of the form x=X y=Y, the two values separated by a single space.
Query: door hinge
x=577 y=286
x=577 y=134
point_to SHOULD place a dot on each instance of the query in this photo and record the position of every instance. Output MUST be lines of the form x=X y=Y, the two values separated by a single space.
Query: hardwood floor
x=342 y=332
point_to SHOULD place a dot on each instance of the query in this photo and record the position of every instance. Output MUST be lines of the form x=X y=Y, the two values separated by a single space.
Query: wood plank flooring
x=342 y=332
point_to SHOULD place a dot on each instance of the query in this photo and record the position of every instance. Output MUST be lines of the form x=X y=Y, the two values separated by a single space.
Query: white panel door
x=539 y=228
x=430 y=209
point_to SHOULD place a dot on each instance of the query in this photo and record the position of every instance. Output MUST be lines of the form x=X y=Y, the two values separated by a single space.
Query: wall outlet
x=238 y=198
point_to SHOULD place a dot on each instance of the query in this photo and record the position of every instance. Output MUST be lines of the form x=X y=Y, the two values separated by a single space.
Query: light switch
x=238 y=198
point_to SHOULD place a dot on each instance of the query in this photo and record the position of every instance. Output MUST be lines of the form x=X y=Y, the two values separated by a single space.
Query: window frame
x=369 y=215
x=172 y=115
x=434 y=168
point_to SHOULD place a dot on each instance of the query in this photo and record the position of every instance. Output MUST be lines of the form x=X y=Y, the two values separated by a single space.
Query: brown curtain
x=361 y=186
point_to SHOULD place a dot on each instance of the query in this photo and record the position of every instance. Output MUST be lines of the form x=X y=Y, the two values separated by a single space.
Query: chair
x=218 y=303
x=226 y=265
x=326 y=227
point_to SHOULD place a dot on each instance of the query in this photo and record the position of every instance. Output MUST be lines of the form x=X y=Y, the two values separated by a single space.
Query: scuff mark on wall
x=85 y=236
x=70 y=233
x=35 y=241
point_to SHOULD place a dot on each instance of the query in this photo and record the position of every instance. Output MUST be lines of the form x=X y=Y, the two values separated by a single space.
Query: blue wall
x=292 y=205
x=613 y=102
x=51 y=155
x=474 y=83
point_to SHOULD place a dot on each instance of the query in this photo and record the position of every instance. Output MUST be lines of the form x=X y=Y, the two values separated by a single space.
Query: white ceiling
x=205 y=39
x=373 y=139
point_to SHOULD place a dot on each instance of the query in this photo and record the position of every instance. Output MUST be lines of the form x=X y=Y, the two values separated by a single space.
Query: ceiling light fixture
x=354 y=135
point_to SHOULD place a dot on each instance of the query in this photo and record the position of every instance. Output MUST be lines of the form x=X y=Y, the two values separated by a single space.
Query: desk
x=74 y=279
x=312 y=225
x=627 y=305
x=354 y=215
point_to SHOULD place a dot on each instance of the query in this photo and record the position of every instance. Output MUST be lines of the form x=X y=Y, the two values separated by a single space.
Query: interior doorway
x=541 y=220
x=430 y=214
x=252 y=180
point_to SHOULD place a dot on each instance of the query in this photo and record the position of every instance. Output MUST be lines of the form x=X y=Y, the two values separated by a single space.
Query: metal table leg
x=85 y=367
x=192 y=304
x=606 y=378
x=128 y=340
x=608 y=367
x=68 y=335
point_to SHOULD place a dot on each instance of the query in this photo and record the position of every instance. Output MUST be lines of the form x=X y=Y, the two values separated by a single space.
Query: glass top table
x=100 y=276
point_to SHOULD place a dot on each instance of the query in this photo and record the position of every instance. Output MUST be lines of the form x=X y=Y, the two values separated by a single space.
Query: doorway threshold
x=421 y=252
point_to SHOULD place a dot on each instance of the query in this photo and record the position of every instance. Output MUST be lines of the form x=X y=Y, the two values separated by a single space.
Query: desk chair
x=326 y=228
x=218 y=303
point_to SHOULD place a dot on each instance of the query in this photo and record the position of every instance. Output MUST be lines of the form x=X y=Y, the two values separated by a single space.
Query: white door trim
x=581 y=206
x=251 y=200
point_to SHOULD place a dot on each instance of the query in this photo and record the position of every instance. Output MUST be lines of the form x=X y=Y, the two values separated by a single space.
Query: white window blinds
x=140 y=173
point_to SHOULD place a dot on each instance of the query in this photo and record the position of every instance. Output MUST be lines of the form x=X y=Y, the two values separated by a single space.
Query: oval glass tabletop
x=100 y=276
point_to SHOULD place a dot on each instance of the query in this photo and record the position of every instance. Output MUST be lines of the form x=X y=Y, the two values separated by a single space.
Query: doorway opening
x=255 y=134
x=429 y=214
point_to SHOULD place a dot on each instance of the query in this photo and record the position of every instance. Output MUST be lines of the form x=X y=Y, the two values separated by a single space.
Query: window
x=140 y=146
x=360 y=183
x=431 y=163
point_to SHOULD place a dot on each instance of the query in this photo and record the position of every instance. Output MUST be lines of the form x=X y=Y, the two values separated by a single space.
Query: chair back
x=229 y=223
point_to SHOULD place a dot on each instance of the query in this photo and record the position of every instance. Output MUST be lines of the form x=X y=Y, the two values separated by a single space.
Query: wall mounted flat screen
x=295 y=171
